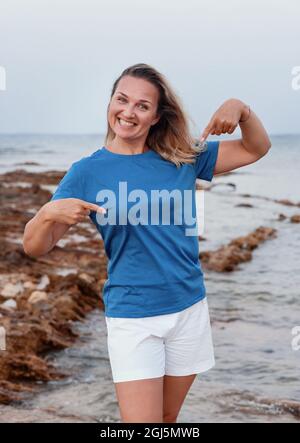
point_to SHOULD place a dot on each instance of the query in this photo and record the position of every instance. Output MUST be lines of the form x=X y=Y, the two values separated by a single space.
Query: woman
x=159 y=335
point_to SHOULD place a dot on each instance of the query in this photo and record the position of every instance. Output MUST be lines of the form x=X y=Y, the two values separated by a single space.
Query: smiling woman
x=129 y=114
x=158 y=326
x=145 y=113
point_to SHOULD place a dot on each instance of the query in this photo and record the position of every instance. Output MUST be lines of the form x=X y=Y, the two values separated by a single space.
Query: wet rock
x=21 y=175
x=29 y=367
x=226 y=259
x=239 y=250
x=208 y=187
x=295 y=218
x=290 y=406
x=9 y=392
x=281 y=217
x=287 y=202
x=28 y=163
x=251 y=403
x=244 y=205
x=284 y=202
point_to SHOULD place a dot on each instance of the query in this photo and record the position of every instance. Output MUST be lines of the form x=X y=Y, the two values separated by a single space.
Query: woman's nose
x=128 y=112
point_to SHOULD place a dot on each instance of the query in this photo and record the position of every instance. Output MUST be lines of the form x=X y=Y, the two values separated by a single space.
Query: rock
x=244 y=205
x=37 y=296
x=227 y=258
x=28 y=163
x=200 y=186
x=11 y=290
x=45 y=323
x=67 y=307
x=286 y=202
x=43 y=283
x=295 y=218
x=29 y=367
x=281 y=217
x=29 y=285
x=87 y=278
x=9 y=304
x=8 y=392
x=224 y=259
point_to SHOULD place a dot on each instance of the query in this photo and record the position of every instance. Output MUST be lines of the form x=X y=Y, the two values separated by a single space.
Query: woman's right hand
x=69 y=210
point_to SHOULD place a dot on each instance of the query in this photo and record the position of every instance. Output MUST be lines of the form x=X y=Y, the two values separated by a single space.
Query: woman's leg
x=141 y=401
x=174 y=392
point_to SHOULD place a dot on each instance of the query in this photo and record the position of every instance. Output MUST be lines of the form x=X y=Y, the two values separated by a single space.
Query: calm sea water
x=253 y=310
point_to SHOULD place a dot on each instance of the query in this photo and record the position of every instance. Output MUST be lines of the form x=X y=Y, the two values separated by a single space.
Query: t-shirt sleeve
x=206 y=160
x=70 y=185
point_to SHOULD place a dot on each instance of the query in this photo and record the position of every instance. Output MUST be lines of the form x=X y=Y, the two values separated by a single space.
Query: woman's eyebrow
x=119 y=92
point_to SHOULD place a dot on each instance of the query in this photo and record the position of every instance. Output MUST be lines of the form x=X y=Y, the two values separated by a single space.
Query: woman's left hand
x=226 y=118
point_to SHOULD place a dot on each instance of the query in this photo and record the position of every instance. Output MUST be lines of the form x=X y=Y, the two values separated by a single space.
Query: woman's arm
x=51 y=222
x=254 y=143
x=254 y=136
x=41 y=234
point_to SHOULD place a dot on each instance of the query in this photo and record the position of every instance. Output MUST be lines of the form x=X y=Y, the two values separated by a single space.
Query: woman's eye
x=121 y=98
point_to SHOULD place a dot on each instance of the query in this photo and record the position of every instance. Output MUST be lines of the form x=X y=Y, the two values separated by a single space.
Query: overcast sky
x=61 y=58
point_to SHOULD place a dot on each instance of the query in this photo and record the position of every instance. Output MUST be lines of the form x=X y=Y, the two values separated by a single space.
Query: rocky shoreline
x=41 y=297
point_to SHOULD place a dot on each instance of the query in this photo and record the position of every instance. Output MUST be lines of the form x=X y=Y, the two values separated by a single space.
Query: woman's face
x=135 y=100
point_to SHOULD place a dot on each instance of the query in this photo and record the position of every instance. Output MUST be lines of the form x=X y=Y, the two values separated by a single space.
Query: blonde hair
x=170 y=136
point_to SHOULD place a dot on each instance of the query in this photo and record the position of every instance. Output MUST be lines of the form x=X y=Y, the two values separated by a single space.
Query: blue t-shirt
x=151 y=242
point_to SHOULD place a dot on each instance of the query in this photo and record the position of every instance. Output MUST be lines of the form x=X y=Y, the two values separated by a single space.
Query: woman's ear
x=156 y=120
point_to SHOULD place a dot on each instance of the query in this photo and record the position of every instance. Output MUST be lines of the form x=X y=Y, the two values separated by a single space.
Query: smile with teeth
x=125 y=123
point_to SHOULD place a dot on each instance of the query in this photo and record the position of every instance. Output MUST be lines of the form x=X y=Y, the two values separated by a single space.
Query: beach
x=55 y=367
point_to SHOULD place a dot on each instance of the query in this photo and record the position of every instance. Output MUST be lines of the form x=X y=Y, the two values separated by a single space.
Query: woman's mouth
x=124 y=123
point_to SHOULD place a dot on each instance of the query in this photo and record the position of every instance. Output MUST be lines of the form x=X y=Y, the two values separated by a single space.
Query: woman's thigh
x=141 y=401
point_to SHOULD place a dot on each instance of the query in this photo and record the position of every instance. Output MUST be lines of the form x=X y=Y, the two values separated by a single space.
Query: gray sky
x=61 y=58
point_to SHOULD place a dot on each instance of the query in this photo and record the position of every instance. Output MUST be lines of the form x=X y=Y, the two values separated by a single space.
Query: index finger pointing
x=97 y=208
x=206 y=132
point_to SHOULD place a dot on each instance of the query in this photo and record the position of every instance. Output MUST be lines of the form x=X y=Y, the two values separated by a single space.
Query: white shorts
x=169 y=344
